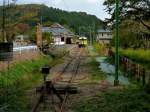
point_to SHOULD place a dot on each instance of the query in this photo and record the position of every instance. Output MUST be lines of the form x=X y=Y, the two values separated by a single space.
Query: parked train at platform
x=82 y=42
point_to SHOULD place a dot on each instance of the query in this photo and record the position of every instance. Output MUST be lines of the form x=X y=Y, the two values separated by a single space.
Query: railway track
x=49 y=102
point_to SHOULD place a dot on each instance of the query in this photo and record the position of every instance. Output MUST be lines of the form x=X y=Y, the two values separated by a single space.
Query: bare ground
x=85 y=89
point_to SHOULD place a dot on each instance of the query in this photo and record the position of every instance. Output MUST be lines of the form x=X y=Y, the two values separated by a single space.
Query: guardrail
x=24 y=49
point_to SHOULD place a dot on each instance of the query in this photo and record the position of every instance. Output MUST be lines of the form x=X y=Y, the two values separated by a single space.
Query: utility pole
x=116 y=81
x=94 y=38
x=3 y=24
x=79 y=31
x=90 y=36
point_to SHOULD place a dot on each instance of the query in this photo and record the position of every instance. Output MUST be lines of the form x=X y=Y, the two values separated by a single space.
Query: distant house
x=21 y=40
x=60 y=34
x=104 y=36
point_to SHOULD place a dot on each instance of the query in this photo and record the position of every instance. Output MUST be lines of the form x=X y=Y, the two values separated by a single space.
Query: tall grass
x=96 y=75
x=115 y=101
x=139 y=55
x=21 y=70
x=21 y=77
x=100 y=48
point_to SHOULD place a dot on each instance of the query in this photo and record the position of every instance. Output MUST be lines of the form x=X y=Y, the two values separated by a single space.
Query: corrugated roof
x=57 y=29
x=56 y=25
x=104 y=31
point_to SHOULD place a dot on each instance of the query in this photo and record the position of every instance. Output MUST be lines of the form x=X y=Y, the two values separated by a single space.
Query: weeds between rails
x=76 y=59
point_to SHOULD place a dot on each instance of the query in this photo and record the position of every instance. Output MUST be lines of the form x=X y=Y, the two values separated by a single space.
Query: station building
x=60 y=34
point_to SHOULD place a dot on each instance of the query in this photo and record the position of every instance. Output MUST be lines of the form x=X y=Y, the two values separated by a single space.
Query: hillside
x=31 y=14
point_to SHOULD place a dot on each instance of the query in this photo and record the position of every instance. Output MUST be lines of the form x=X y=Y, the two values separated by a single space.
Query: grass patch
x=14 y=85
x=140 y=56
x=96 y=74
x=116 y=101
x=100 y=49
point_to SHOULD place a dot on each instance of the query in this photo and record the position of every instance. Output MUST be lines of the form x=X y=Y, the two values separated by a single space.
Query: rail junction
x=54 y=93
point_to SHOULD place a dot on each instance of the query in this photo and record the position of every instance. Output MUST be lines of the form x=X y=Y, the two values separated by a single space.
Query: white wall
x=104 y=36
x=57 y=41
x=22 y=49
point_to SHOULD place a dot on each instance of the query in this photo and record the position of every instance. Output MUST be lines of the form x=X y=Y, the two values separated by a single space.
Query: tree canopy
x=138 y=10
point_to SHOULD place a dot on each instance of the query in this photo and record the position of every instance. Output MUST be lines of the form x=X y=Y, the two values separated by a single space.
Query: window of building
x=62 y=39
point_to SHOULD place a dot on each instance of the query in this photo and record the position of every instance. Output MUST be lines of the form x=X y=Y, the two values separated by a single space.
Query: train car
x=82 y=42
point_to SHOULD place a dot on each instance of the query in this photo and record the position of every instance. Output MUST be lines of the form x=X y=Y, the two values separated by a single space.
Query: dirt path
x=74 y=71
x=83 y=73
x=56 y=71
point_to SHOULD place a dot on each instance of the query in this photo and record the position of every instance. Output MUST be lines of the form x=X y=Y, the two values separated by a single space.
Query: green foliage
x=20 y=70
x=47 y=38
x=31 y=14
x=116 y=101
x=22 y=76
x=96 y=75
x=137 y=10
x=100 y=48
x=129 y=36
x=134 y=21
x=139 y=55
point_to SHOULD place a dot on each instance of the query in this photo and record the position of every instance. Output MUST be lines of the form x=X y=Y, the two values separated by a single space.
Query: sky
x=94 y=7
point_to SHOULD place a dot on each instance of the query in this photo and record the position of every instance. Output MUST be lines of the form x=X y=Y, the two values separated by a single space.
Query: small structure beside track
x=57 y=90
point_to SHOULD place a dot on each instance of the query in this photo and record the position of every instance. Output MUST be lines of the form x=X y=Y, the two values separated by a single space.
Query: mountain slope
x=31 y=14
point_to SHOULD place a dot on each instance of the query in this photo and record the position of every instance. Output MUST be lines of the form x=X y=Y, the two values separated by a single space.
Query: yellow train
x=82 y=42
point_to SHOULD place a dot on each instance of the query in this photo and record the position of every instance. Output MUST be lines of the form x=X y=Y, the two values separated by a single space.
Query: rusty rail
x=62 y=104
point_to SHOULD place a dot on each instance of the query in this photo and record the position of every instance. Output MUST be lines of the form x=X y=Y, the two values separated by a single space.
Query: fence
x=133 y=69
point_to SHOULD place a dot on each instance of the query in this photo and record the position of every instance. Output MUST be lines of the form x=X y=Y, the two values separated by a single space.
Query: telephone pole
x=3 y=22
x=116 y=81
x=90 y=36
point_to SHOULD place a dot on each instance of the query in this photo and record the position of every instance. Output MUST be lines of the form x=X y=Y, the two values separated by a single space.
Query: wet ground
x=108 y=68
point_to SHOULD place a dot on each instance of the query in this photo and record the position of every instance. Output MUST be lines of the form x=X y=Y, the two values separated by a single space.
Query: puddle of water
x=109 y=70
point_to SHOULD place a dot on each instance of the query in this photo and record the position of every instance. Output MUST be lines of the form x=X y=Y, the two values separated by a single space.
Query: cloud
x=93 y=1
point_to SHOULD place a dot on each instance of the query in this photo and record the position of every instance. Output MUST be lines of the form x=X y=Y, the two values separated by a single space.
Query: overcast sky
x=94 y=7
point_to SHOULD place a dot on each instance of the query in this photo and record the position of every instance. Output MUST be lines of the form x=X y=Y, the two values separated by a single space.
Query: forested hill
x=31 y=14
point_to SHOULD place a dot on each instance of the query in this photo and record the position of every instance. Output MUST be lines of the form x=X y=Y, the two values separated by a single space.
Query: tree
x=47 y=39
x=138 y=10
x=22 y=28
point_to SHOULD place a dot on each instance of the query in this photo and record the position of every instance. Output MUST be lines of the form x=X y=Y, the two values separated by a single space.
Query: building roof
x=57 y=30
x=104 y=31
x=56 y=25
x=22 y=36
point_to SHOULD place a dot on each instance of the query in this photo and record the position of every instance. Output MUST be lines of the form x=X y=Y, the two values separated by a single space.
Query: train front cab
x=82 y=42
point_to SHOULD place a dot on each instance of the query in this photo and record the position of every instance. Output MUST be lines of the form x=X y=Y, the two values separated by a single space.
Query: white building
x=22 y=40
x=104 y=36
x=60 y=34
